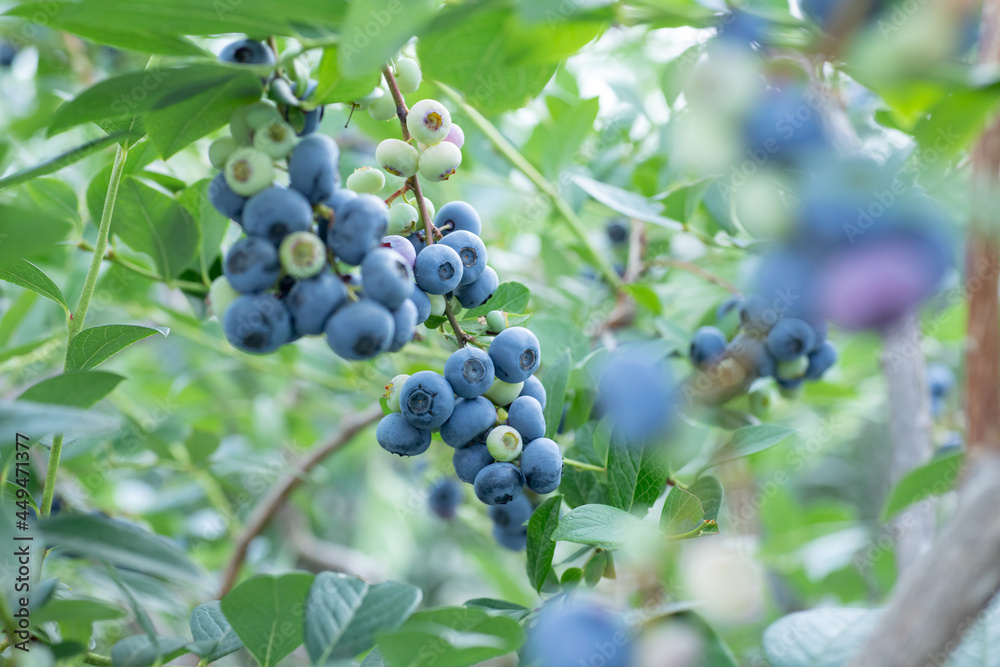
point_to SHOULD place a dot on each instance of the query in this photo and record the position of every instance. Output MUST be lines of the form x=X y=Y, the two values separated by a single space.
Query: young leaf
x=25 y=274
x=931 y=479
x=91 y=347
x=121 y=544
x=141 y=651
x=682 y=512
x=637 y=475
x=214 y=637
x=266 y=612
x=599 y=526
x=454 y=636
x=541 y=548
x=77 y=389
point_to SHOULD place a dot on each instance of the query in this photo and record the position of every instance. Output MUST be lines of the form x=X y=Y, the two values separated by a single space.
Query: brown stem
x=698 y=271
x=462 y=337
x=265 y=510
x=398 y=193
x=397 y=97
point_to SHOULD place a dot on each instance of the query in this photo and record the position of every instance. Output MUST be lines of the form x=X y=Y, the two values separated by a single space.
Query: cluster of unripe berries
x=488 y=406
x=789 y=349
x=318 y=258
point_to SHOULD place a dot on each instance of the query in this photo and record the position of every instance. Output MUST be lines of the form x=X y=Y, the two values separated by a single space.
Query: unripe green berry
x=761 y=399
x=439 y=162
x=261 y=114
x=791 y=392
x=397 y=157
x=428 y=122
x=220 y=150
x=392 y=391
x=369 y=99
x=402 y=218
x=504 y=443
x=502 y=393
x=408 y=75
x=438 y=304
x=220 y=295
x=794 y=369
x=248 y=171
x=302 y=254
x=276 y=138
x=239 y=122
x=366 y=180
x=384 y=108
x=496 y=320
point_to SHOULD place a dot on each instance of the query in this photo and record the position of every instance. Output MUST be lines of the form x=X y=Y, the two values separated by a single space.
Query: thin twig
x=694 y=269
x=573 y=463
x=462 y=337
x=265 y=510
x=397 y=97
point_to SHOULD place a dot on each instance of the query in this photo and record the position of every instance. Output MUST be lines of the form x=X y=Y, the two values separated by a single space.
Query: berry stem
x=583 y=466
x=397 y=97
x=80 y=314
x=398 y=193
x=462 y=337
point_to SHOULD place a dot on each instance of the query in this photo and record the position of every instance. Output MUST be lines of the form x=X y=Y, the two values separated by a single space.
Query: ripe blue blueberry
x=541 y=465
x=252 y=265
x=498 y=483
x=790 y=338
x=533 y=387
x=311 y=119
x=423 y=304
x=257 y=323
x=468 y=461
x=940 y=380
x=707 y=345
x=427 y=400
x=360 y=330
x=516 y=354
x=470 y=419
x=821 y=360
x=458 y=215
x=358 y=226
x=275 y=213
x=571 y=633
x=513 y=515
x=525 y=416
x=515 y=539
x=387 y=277
x=404 y=319
x=471 y=250
x=312 y=302
x=479 y=292
x=469 y=370
x=727 y=306
x=636 y=392
x=444 y=498
x=398 y=436
x=225 y=201
x=756 y=315
x=313 y=168
x=247 y=52
x=438 y=269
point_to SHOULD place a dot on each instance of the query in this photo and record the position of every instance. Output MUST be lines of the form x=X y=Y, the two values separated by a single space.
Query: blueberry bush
x=562 y=333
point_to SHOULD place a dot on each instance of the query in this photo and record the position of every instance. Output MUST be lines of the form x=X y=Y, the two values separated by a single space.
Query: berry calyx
x=275 y=138
x=248 y=171
x=428 y=122
x=302 y=254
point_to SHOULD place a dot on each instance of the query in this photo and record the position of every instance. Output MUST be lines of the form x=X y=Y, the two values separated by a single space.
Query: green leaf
x=76 y=389
x=595 y=567
x=637 y=475
x=26 y=233
x=334 y=86
x=120 y=543
x=454 y=636
x=682 y=512
x=142 y=91
x=267 y=614
x=599 y=526
x=179 y=125
x=214 y=636
x=750 y=440
x=76 y=610
x=818 y=637
x=213 y=225
x=495 y=605
x=541 y=548
x=374 y=659
x=645 y=297
x=154 y=223
x=931 y=479
x=40 y=419
x=374 y=30
x=555 y=378
x=91 y=347
x=141 y=651
x=384 y=607
x=708 y=490
x=25 y=274
x=627 y=203
x=510 y=297
x=333 y=601
x=54 y=196
x=64 y=159
x=489 y=76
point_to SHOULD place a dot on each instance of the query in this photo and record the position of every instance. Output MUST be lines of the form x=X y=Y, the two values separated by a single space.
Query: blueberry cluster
x=488 y=406
x=771 y=343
